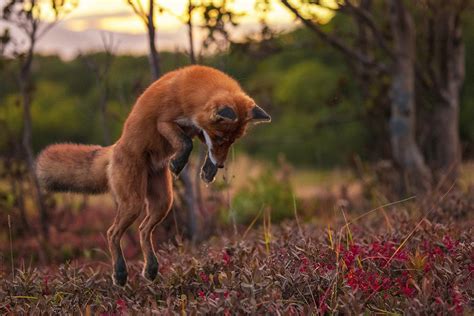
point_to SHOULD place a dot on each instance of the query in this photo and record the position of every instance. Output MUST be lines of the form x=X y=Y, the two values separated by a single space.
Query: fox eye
x=226 y=114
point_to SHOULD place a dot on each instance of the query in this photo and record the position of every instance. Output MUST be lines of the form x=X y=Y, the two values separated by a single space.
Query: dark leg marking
x=181 y=158
x=151 y=269
x=120 y=271
x=208 y=171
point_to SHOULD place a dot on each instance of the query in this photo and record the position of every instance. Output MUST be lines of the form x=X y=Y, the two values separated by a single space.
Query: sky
x=80 y=30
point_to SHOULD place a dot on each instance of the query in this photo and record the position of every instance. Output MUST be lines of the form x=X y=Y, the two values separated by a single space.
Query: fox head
x=226 y=120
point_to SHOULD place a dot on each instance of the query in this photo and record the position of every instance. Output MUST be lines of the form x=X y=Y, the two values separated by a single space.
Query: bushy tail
x=74 y=168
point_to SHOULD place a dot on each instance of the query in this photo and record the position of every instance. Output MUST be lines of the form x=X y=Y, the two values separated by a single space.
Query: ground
x=390 y=260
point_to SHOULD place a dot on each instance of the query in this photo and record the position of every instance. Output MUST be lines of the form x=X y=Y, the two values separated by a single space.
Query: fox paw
x=120 y=273
x=208 y=171
x=150 y=270
x=177 y=165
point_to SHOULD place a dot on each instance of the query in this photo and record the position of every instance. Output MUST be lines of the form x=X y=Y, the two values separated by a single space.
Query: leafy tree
x=387 y=47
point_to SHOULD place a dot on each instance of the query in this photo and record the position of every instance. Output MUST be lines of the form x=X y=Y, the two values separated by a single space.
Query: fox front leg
x=208 y=170
x=181 y=158
x=182 y=143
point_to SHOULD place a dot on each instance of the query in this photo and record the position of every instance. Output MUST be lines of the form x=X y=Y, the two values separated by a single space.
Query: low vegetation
x=386 y=261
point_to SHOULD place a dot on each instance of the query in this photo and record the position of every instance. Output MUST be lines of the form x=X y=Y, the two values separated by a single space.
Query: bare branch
x=333 y=41
x=110 y=46
x=189 y=23
x=139 y=10
x=368 y=19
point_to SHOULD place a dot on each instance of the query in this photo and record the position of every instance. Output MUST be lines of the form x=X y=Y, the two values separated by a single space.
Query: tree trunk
x=365 y=43
x=445 y=133
x=16 y=187
x=192 y=56
x=190 y=195
x=27 y=143
x=103 y=112
x=197 y=178
x=406 y=153
x=153 y=55
x=448 y=64
x=191 y=203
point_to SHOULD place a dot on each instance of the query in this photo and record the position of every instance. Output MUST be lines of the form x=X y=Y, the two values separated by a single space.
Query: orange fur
x=77 y=168
x=183 y=103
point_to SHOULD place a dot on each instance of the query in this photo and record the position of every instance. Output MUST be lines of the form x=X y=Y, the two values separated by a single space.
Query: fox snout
x=219 y=155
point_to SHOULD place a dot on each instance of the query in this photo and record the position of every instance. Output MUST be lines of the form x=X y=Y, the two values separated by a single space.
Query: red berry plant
x=411 y=267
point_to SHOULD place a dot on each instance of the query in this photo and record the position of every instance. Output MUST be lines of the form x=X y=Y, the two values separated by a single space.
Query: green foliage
x=49 y=118
x=305 y=85
x=303 y=143
x=466 y=118
x=315 y=118
x=263 y=192
x=319 y=117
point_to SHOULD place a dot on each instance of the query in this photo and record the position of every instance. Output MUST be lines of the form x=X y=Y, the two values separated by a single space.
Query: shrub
x=265 y=191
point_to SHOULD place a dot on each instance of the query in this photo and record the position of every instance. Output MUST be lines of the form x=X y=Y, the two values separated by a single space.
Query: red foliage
x=299 y=273
x=202 y=295
x=121 y=306
x=204 y=277
x=226 y=258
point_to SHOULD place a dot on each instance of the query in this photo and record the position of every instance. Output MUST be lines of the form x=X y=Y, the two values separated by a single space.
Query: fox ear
x=258 y=115
x=226 y=113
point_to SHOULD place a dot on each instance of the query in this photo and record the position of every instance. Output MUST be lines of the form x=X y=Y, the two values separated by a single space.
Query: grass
x=466 y=174
x=326 y=178
x=399 y=258
x=354 y=266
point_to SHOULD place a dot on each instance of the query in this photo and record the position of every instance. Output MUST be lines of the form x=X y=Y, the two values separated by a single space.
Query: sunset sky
x=80 y=30
x=116 y=15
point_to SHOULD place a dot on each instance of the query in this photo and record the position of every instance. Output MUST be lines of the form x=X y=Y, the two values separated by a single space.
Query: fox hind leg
x=159 y=201
x=130 y=200
x=125 y=217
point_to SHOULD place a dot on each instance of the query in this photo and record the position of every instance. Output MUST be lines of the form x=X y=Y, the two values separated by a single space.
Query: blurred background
x=372 y=102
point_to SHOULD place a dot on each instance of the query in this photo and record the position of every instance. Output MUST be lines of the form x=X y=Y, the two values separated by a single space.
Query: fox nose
x=220 y=165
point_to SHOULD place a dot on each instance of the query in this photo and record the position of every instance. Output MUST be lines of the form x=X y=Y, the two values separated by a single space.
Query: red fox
x=156 y=140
